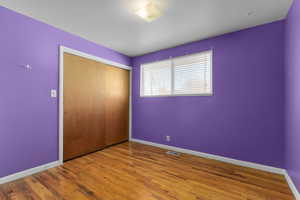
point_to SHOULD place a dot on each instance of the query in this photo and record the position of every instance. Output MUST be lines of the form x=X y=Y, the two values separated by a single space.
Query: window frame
x=211 y=93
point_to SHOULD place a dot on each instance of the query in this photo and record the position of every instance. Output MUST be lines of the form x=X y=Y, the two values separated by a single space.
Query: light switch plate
x=53 y=93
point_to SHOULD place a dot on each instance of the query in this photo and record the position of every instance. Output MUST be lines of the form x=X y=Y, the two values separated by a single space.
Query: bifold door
x=117 y=105
x=96 y=105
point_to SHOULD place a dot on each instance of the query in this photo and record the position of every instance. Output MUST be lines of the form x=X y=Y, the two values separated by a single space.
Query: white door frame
x=62 y=50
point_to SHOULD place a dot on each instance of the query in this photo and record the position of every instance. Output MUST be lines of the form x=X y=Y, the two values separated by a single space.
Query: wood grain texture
x=132 y=171
x=84 y=106
x=117 y=105
x=96 y=105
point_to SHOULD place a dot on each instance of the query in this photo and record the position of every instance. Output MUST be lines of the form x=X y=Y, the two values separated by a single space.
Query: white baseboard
x=28 y=172
x=229 y=160
x=292 y=186
x=215 y=157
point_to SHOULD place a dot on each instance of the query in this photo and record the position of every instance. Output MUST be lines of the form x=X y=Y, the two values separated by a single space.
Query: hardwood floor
x=132 y=171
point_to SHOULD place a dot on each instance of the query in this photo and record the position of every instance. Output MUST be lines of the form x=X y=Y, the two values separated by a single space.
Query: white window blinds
x=186 y=75
x=156 y=78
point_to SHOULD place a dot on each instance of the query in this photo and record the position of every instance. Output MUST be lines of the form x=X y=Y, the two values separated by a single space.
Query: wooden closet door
x=84 y=106
x=117 y=105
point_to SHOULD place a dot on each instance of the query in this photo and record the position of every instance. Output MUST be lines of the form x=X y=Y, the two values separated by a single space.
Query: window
x=186 y=75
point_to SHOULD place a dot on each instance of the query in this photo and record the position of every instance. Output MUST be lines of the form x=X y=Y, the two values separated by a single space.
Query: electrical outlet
x=168 y=138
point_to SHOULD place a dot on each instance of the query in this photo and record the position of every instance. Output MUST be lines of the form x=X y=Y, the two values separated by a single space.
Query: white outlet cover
x=168 y=138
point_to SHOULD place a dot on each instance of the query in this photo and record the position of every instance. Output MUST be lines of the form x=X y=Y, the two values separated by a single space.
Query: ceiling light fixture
x=149 y=12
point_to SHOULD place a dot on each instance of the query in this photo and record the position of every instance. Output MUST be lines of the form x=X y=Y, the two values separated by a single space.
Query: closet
x=96 y=105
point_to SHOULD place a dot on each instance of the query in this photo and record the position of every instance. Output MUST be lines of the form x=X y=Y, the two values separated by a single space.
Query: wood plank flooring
x=132 y=171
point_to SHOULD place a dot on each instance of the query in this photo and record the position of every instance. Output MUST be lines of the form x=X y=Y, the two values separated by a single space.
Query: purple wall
x=28 y=116
x=293 y=93
x=244 y=119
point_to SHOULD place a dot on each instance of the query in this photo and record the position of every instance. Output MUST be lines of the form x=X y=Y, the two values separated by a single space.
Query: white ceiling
x=112 y=23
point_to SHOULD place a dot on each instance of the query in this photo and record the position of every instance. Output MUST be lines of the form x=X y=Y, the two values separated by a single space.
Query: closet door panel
x=117 y=105
x=84 y=106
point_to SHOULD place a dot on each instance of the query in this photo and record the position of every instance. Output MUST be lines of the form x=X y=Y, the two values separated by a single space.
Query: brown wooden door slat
x=117 y=105
x=84 y=106
x=96 y=105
